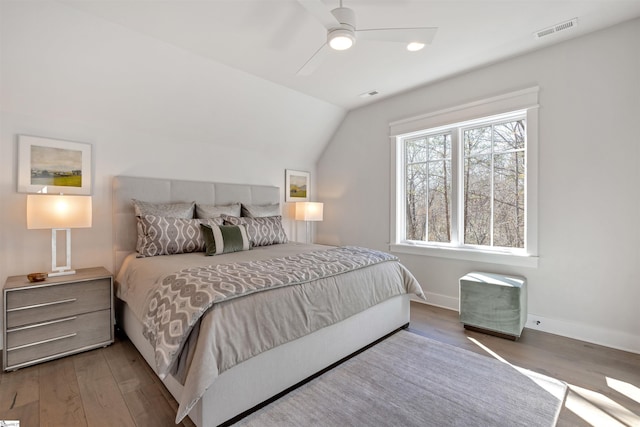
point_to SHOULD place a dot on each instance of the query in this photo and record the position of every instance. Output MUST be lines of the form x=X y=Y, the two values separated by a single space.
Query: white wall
x=586 y=285
x=148 y=109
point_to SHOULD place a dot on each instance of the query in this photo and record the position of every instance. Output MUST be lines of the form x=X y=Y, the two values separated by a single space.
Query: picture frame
x=296 y=184
x=53 y=166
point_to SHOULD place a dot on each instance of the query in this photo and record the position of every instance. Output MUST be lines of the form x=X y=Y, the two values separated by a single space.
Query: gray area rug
x=410 y=380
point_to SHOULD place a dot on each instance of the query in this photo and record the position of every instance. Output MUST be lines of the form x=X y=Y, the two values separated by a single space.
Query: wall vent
x=567 y=25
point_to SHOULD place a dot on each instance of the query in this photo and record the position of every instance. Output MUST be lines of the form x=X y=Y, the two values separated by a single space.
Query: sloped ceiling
x=272 y=39
x=224 y=71
x=61 y=62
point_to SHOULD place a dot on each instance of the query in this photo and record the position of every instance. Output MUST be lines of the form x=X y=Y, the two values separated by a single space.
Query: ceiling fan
x=342 y=33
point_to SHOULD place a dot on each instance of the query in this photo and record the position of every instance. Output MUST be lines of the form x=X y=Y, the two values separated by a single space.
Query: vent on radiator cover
x=567 y=25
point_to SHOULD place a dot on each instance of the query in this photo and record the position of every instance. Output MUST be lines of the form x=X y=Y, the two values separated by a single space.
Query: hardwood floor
x=591 y=400
x=113 y=386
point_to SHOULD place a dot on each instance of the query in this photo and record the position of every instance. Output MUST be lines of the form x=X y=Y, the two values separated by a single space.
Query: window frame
x=513 y=104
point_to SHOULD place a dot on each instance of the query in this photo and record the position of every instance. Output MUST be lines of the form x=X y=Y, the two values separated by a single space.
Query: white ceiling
x=272 y=39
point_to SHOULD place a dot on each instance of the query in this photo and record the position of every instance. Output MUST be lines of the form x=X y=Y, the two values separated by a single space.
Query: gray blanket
x=177 y=305
x=237 y=329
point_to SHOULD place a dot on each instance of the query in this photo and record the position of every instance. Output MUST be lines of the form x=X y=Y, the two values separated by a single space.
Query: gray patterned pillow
x=214 y=211
x=159 y=235
x=258 y=211
x=169 y=210
x=261 y=231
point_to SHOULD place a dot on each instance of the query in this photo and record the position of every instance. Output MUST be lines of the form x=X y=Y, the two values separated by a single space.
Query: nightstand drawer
x=58 y=317
x=41 y=304
x=53 y=339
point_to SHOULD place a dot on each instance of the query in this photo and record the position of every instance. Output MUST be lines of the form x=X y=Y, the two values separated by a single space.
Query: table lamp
x=309 y=211
x=59 y=213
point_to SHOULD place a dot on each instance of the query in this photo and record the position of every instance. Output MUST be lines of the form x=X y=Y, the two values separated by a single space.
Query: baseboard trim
x=582 y=332
x=437 y=300
x=591 y=334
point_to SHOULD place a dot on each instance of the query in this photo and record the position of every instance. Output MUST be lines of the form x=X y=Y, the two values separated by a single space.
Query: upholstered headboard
x=158 y=190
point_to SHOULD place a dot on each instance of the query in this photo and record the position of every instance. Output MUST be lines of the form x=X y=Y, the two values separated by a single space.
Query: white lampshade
x=309 y=211
x=51 y=211
x=59 y=213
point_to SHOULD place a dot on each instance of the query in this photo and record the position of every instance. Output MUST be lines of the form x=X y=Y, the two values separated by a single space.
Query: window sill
x=467 y=255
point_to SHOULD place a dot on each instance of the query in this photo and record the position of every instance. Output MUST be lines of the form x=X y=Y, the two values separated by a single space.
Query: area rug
x=410 y=380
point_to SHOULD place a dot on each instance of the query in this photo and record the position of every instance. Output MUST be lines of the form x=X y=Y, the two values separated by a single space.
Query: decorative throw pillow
x=214 y=211
x=224 y=239
x=169 y=210
x=258 y=211
x=261 y=231
x=159 y=235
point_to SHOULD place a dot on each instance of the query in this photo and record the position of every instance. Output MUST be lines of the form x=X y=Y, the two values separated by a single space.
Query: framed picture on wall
x=296 y=184
x=53 y=166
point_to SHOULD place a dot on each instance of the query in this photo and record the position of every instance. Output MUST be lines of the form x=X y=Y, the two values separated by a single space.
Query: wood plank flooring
x=592 y=400
x=113 y=386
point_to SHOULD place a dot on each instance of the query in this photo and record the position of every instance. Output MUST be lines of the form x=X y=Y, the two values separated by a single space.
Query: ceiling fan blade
x=320 y=12
x=314 y=62
x=401 y=35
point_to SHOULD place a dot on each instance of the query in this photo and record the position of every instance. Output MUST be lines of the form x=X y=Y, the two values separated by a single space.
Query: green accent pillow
x=224 y=239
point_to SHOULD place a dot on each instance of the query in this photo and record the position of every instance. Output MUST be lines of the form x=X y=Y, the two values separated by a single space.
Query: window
x=428 y=187
x=468 y=187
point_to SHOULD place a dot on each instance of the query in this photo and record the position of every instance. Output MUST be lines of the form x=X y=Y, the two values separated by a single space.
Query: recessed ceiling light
x=414 y=46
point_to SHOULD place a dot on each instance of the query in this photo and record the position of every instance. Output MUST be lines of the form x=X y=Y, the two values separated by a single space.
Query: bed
x=246 y=349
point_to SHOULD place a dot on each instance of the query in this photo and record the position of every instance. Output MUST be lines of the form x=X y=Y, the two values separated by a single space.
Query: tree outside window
x=490 y=164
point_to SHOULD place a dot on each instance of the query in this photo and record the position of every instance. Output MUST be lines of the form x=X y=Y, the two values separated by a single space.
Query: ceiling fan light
x=341 y=39
x=415 y=46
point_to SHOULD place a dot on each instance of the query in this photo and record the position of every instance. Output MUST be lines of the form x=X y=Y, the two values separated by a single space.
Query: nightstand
x=57 y=317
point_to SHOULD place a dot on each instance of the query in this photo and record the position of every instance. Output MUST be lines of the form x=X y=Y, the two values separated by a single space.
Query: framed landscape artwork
x=53 y=166
x=296 y=184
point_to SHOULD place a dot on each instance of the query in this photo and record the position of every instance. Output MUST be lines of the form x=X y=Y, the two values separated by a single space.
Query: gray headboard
x=158 y=190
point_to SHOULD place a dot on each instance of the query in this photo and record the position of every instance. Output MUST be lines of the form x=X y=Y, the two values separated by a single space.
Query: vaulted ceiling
x=272 y=39
x=224 y=71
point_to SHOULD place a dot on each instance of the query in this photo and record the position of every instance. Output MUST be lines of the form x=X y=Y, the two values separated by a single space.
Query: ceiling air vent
x=368 y=94
x=567 y=25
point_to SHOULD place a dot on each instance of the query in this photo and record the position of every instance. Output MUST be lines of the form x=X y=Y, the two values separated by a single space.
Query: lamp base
x=60 y=270
x=61 y=273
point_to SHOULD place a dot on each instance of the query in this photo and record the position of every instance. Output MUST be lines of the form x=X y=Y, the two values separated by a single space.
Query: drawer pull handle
x=37 y=325
x=44 y=304
x=42 y=342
